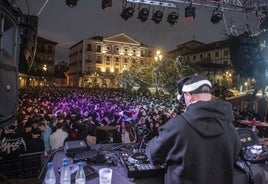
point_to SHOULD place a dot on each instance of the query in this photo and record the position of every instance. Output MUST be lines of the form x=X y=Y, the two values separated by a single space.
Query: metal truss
x=254 y=6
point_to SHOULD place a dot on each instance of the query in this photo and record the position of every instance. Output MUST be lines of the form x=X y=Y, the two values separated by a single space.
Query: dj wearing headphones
x=200 y=145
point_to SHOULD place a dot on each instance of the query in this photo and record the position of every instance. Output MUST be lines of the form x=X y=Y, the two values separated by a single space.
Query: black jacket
x=199 y=146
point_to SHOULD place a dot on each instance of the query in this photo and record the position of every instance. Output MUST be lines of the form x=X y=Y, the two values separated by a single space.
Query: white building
x=96 y=61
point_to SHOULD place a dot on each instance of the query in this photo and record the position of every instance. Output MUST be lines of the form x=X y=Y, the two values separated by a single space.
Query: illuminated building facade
x=96 y=61
x=42 y=70
x=212 y=59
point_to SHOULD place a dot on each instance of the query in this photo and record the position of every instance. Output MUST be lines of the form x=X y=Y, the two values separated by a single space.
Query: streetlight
x=45 y=70
x=246 y=85
x=158 y=57
x=95 y=76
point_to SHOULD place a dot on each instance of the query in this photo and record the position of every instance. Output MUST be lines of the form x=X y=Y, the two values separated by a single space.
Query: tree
x=164 y=74
x=169 y=71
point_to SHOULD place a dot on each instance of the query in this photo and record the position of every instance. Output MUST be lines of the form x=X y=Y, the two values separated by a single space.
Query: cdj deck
x=138 y=165
x=132 y=156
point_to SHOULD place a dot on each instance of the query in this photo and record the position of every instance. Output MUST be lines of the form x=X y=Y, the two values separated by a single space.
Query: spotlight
x=157 y=16
x=106 y=4
x=216 y=16
x=71 y=3
x=143 y=14
x=172 y=18
x=190 y=12
x=127 y=11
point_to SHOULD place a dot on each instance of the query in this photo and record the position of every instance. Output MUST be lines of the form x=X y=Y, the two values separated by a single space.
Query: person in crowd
x=45 y=135
x=12 y=143
x=27 y=134
x=35 y=124
x=201 y=144
x=74 y=133
x=35 y=143
x=57 y=138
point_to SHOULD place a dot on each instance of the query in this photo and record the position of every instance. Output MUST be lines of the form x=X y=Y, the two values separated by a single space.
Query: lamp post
x=158 y=57
x=95 y=76
x=45 y=70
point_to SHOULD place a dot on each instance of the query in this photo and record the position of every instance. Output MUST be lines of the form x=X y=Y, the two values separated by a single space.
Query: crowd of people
x=48 y=117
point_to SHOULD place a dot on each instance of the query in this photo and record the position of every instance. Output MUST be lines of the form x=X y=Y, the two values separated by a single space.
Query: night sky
x=67 y=26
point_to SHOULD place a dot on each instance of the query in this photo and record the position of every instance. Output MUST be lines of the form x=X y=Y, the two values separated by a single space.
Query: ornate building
x=96 y=61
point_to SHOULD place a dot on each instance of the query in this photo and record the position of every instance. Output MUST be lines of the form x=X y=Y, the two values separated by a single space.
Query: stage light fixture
x=128 y=11
x=157 y=16
x=106 y=4
x=172 y=18
x=71 y=3
x=216 y=16
x=143 y=14
x=190 y=12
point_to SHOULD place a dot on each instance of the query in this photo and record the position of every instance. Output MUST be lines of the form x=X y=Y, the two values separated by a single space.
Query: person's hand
x=46 y=154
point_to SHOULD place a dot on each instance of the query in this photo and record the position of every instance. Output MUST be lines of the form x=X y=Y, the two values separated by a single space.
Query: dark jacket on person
x=199 y=146
x=35 y=145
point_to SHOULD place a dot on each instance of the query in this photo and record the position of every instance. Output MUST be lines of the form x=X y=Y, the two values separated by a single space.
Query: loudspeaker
x=8 y=66
x=8 y=89
x=107 y=134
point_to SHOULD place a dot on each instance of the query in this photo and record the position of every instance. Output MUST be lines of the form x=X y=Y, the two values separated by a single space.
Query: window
x=98 y=48
x=150 y=53
x=142 y=53
x=201 y=56
x=209 y=55
x=216 y=54
x=89 y=59
x=188 y=58
x=88 y=47
x=108 y=59
x=98 y=59
x=116 y=70
x=133 y=61
x=42 y=48
x=117 y=61
x=194 y=57
x=49 y=48
x=125 y=61
x=225 y=53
